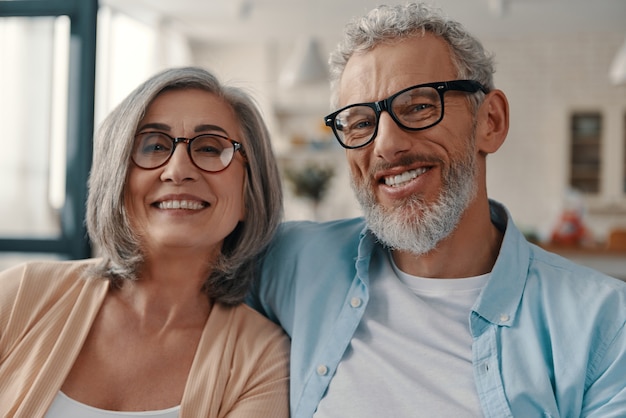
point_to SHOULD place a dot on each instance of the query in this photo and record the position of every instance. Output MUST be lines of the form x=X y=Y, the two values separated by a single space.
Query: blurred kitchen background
x=64 y=64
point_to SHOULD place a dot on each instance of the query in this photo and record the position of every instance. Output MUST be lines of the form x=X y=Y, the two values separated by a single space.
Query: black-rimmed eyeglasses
x=208 y=152
x=414 y=108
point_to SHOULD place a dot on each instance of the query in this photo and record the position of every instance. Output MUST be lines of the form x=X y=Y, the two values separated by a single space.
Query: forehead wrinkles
x=390 y=67
x=362 y=80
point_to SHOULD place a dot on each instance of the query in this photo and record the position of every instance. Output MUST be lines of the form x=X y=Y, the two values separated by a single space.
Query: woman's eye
x=208 y=150
x=153 y=147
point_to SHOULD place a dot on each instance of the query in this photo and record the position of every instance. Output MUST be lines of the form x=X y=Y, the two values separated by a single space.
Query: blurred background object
x=310 y=181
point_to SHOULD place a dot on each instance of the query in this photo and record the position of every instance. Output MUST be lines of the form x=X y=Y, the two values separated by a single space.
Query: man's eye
x=420 y=107
x=362 y=124
x=355 y=124
x=413 y=108
x=417 y=112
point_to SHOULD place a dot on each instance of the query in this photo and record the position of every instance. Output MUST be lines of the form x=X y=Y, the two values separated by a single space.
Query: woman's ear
x=493 y=122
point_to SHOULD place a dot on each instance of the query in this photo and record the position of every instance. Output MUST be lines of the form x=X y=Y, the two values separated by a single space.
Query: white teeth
x=404 y=177
x=181 y=204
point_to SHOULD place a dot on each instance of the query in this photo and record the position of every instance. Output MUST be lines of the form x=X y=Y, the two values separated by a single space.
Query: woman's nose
x=179 y=167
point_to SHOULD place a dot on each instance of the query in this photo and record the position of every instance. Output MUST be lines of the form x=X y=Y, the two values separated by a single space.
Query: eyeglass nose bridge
x=175 y=142
x=380 y=107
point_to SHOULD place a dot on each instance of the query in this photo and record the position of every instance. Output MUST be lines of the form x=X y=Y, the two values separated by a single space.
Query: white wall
x=545 y=80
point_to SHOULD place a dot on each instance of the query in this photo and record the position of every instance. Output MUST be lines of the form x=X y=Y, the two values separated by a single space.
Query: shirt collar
x=498 y=302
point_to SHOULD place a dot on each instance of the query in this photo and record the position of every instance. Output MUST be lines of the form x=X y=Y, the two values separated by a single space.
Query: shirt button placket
x=356 y=302
x=322 y=370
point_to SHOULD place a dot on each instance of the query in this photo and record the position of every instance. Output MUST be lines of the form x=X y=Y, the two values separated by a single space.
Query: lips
x=402 y=178
x=181 y=204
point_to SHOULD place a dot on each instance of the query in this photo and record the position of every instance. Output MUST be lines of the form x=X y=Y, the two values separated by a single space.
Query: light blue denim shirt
x=549 y=337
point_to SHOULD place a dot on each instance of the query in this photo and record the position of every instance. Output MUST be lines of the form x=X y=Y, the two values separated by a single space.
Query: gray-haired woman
x=184 y=194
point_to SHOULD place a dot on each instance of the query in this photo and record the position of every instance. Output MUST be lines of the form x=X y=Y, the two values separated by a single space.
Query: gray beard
x=414 y=226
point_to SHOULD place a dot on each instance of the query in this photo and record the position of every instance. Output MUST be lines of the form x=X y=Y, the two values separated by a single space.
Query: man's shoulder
x=552 y=265
x=544 y=281
x=308 y=233
x=552 y=270
x=337 y=226
x=568 y=285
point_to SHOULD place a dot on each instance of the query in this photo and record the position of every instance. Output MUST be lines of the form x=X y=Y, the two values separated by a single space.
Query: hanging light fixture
x=617 y=73
x=498 y=8
x=305 y=65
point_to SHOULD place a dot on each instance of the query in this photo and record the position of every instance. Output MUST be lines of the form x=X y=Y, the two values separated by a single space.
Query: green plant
x=310 y=180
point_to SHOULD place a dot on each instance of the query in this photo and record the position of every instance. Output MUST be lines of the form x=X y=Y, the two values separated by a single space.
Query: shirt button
x=504 y=317
x=322 y=370
x=355 y=302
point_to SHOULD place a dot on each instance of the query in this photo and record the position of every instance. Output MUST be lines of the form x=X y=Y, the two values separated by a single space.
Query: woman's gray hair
x=388 y=24
x=108 y=225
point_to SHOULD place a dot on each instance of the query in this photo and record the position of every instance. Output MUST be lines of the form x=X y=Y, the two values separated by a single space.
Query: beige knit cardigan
x=240 y=367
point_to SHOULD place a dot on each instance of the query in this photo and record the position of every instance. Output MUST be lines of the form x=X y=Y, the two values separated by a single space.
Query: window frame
x=73 y=241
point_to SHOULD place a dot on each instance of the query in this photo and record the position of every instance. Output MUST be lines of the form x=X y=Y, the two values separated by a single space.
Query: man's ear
x=493 y=122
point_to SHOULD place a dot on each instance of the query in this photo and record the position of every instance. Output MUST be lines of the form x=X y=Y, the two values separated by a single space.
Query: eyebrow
x=198 y=129
x=157 y=126
x=202 y=128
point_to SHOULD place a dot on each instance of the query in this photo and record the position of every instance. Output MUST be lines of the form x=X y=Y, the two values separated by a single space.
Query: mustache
x=405 y=161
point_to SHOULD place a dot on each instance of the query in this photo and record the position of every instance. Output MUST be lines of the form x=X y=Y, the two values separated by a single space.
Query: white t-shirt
x=65 y=407
x=411 y=354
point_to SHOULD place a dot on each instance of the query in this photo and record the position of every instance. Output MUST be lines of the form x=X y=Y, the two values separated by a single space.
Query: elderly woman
x=184 y=194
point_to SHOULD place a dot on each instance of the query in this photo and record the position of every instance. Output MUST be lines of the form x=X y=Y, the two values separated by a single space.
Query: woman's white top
x=65 y=407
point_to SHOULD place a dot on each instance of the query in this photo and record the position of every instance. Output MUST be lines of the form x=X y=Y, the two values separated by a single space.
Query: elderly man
x=434 y=304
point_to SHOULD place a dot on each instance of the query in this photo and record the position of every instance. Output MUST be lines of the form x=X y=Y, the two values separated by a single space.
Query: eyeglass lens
x=417 y=108
x=207 y=152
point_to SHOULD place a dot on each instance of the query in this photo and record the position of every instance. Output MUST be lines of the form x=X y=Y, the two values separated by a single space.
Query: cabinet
x=585 y=161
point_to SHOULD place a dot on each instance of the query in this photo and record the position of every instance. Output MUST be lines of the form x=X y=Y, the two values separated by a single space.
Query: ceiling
x=254 y=21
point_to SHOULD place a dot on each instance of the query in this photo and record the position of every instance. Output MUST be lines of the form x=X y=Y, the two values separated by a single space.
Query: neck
x=470 y=250
x=168 y=292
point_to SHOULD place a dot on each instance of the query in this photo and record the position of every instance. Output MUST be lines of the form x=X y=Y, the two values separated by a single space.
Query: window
x=50 y=105
x=585 y=167
x=47 y=77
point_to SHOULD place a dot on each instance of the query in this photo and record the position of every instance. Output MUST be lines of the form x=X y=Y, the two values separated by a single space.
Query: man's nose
x=391 y=140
